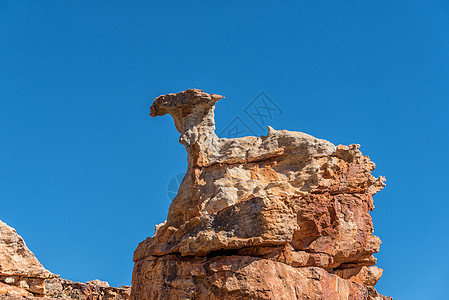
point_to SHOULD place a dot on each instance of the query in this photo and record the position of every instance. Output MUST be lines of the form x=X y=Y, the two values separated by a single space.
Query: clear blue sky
x=84 y=170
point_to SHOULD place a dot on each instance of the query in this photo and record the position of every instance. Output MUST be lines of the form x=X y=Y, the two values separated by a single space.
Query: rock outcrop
x=281 y=216
x=20 y=271
x=23 y=277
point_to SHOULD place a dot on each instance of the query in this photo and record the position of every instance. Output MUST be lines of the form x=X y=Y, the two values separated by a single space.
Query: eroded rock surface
x=281 y=216
x=16 y=258
x=23 y=277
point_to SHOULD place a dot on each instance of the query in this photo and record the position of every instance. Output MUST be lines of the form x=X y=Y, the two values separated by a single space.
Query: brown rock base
x=240 y=277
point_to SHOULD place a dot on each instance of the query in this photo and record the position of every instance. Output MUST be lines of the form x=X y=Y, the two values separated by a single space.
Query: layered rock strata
x=281 y=216
x=23 y=277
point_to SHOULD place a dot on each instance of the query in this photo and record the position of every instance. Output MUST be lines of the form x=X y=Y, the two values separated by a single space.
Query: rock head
x=281 y=216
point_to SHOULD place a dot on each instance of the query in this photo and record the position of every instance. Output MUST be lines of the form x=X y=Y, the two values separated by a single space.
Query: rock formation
x=23 y=277
x=281 y=216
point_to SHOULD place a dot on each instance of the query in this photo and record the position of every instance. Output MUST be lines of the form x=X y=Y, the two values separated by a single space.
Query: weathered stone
x=361 y=274
x=66 y=289
x=19 y=268
x=99 y=283
x=238 y=277
x=16 y=259
x=287 y=200
x=57 y=288
x=23 y=277
x=13 y=290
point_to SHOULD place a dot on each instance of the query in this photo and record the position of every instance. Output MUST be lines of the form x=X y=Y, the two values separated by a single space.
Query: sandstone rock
x=57 y=288
x=66 y=289
x=23 y=277
x=99 y=283
x=19 y=268
x=13 y=290
x=16 y=259
x=270 y=212
x=362 y=274
x=238 y=277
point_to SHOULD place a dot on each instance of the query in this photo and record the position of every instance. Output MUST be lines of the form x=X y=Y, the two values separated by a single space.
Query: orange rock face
x=281 y=216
